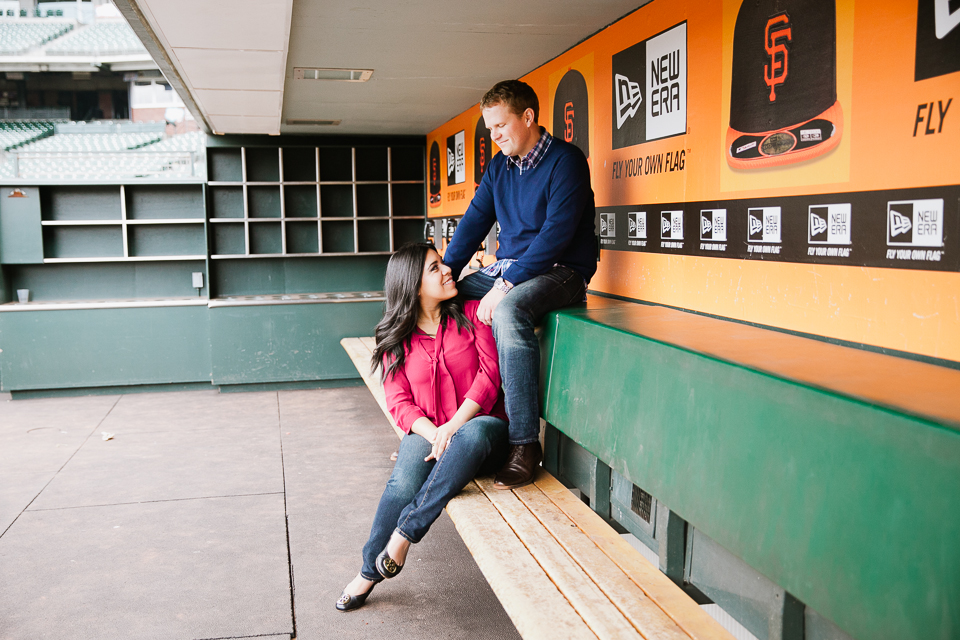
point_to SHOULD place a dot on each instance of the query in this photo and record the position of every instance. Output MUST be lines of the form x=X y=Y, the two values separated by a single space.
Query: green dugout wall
x=250 y=277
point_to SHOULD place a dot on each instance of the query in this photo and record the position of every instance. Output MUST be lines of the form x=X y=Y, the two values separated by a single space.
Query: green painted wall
x=852 y=508
x=104 y=347
x=274 y=343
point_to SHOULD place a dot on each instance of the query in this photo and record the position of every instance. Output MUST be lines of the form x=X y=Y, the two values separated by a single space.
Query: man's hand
x=488 y=304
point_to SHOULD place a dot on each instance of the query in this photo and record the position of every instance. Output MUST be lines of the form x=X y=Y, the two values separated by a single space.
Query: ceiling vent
x=315 y=123
x=344 y=75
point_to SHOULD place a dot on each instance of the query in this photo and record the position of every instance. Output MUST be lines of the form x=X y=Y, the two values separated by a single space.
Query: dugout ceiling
x=233 y=61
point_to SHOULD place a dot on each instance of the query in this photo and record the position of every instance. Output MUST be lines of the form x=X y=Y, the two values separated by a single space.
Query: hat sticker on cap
x=783 y=93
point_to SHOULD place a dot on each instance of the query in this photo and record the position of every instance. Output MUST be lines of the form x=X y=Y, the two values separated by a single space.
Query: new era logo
x=637 y=224
x=671 y=225
x=829 y=224
x=608 y=228
x=713 y=225
x=917 y=223
x=456 y=158
x=899 y=223
x=629 y=97
x=817 y=225
x=763 y=224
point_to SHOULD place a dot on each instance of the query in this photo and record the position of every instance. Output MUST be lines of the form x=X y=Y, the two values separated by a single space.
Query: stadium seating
x=113 y=38
x=18 y=37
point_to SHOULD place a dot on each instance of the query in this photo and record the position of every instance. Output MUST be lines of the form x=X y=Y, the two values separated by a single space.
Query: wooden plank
x=359 y=351
x=686 y=613
x=594 y=607
x=530 y=598
x=644 y=614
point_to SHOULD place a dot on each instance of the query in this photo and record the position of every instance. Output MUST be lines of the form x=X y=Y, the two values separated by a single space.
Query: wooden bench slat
x=577 y=573
x=686 y=613
x=585 y=596
x=527 y=594
x=642 y=612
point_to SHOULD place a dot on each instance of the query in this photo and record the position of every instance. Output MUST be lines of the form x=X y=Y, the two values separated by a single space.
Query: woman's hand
x=424 y=427
x=441 y=439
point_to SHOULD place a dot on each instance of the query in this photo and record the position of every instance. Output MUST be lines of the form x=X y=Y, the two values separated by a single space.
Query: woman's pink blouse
x=438 y=373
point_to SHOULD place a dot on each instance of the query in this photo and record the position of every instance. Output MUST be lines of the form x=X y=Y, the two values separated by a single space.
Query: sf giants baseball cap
x=783 y=94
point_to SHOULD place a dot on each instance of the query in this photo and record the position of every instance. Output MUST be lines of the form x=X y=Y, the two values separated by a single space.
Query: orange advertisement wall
x=853 y=232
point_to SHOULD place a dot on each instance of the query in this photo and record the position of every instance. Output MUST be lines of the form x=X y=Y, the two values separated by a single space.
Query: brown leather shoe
x=521 y=466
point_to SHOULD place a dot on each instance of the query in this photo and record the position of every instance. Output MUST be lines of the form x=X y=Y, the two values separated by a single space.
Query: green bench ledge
x=557 y=568
x=811 y=490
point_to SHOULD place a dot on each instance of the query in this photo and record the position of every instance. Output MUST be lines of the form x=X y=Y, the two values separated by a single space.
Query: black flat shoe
x=348 y=602
x=387 y=566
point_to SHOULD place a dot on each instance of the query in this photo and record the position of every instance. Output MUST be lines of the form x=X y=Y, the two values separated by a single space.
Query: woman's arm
x=399 y=397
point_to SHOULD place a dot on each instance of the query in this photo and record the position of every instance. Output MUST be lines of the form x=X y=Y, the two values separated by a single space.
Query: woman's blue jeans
x=514 y=322
x=417 y=491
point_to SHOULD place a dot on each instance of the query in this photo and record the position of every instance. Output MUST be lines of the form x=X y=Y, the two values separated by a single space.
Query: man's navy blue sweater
x=546 y=216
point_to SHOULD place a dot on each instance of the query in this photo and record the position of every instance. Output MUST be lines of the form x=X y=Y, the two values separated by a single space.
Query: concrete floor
x=212 y=516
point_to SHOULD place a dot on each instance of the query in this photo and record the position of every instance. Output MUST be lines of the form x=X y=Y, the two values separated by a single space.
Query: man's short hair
x=517 y=95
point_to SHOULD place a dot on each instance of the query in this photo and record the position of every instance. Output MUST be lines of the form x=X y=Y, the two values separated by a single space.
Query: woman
x=442 y=383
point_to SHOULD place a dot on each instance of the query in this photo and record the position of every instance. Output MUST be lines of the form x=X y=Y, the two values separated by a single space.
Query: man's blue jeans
x=514 y=322
x=417 y=491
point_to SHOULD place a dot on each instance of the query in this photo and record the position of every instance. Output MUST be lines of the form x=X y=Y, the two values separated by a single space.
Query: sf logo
x=568 y=122
x=775 y=38
x=483 y=155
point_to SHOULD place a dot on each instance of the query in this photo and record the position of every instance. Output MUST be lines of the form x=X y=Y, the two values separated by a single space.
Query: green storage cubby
x=81 y=241
x=300 y=164
x=94 y=202
x=336 y=164
x=371 y=164
x=302 y=237
x=266 y=238
x=373 y=235
x=336 y=201
x=224 y=165
x=406 y=163
x=300 y=201
x=408 y=200
x=226 y=202
x=166 y=240
x=159 y=201
x=228 y=239
x=263 y=202
x=263 y=164
x=337 y=236
x=373 y=200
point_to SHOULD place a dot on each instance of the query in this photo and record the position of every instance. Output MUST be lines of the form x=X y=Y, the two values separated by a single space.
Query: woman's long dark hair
x=402 y=288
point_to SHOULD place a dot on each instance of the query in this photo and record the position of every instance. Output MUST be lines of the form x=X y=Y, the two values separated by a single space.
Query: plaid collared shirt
x=525 y=163
x=536 y=154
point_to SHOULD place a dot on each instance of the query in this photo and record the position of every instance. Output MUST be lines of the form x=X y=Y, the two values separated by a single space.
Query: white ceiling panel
x=243 y=124
x=238 y=24
x=238 y=103
x=240 y=70
x=432 y=59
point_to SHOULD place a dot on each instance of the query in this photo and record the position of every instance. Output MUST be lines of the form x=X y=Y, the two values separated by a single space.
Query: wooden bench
x=808 y=488
x=559 y=570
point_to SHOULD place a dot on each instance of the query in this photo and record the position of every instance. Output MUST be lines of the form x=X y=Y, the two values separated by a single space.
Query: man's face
x=515 y=135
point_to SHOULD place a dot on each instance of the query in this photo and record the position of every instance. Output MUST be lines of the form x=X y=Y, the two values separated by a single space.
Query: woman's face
x=437 y=284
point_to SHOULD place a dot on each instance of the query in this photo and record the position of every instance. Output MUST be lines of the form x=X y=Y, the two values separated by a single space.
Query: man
x=538 y=189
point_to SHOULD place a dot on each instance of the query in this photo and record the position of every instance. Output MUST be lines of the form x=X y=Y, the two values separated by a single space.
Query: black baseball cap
x=783 y=94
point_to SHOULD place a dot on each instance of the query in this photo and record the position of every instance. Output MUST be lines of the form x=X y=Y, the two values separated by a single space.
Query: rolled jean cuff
x=514 y=443
x=405 y=536
x=375 y=579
